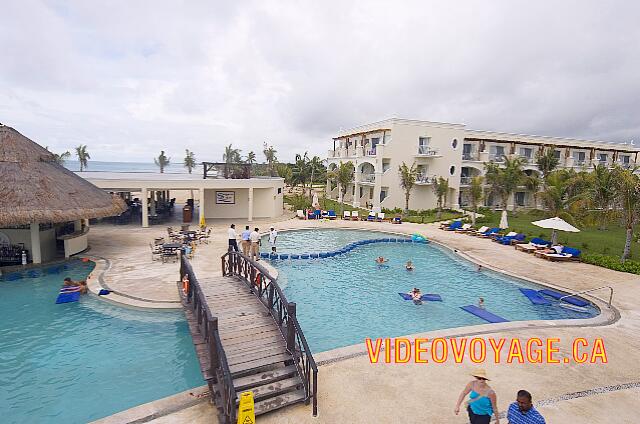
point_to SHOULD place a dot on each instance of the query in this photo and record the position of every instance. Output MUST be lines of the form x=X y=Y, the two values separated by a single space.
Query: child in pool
x=409 y=266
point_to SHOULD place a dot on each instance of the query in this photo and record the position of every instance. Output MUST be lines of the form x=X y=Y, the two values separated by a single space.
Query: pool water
x=77 y=362
x=344 y=299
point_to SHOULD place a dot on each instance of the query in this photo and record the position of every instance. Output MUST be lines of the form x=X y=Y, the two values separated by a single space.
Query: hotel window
x=467 y=151
x=423 y=145
x=556 y=154
x=496 y=153
x=602 y=157
x=579 y=157
x=526 y=152
x=625 y=159
x=520 y=196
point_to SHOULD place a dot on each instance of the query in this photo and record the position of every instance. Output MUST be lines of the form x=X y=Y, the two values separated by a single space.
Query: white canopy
x=315 y=203
x=556 y=224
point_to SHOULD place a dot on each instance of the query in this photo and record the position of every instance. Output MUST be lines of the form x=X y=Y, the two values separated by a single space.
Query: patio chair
x=346 y=215
x=204 y=238
x=396 y=219
x=479 y=231
x=331 y=214
x=372 y=216
x=355 y=216
x=380 y=217
x=156 y=252
x=454 y=226
x=300 y=214
x=464 y=228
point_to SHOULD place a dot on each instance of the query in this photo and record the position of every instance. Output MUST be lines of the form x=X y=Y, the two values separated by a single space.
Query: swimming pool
x=346 y=298
x=77 y=362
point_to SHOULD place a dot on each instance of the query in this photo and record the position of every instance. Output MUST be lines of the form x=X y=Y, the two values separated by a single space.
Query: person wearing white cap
x=482 y=403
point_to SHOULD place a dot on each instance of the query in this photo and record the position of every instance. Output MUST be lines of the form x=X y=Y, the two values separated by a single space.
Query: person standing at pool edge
x=246 y=242
x=273 y=235
x=233 y=243
x=482 y=403
x=255 y=244
x=522 y=411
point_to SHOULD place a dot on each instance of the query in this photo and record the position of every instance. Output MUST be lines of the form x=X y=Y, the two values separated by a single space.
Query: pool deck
x=353 y=390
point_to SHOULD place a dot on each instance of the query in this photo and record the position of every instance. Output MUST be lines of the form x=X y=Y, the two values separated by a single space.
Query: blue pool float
x=304 y=256
x=557 y=295
x=483 y=313
x=313 y=256
x=429 y=296
x=535 y=297
x=294 y=256
x=284 y=256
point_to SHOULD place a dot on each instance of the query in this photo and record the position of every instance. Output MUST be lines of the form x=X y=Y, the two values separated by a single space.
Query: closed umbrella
x=503 y=220
x=556 y=224
x=315 y=203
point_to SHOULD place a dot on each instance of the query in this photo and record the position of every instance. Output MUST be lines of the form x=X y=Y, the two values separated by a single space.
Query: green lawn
x=590 y=240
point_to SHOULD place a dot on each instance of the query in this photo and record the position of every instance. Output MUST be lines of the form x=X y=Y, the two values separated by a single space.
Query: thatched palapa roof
x=34 y=188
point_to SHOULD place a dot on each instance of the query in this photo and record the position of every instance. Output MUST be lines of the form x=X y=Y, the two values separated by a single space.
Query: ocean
x=100 y=166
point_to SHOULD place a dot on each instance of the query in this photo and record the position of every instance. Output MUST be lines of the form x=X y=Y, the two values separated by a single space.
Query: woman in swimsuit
x=482 y=403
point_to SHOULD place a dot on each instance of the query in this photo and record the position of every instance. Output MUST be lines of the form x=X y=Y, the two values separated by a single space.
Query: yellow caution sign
x=246 y=413
x=203 y=222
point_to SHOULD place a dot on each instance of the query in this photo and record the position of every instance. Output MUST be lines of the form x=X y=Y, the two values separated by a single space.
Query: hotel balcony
x=425 y=151
x=465 y=180
x=367 y=178
x=422 y=179
x=472 y=156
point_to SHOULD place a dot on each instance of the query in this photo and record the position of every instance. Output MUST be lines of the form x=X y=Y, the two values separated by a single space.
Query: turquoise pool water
x=77 y=362
x=344 y=299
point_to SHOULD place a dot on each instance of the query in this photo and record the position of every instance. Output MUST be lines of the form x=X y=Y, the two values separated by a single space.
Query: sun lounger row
x=348 y=215
x=539 y=247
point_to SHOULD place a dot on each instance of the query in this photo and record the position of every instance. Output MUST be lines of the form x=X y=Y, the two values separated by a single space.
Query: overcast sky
x=131 y=78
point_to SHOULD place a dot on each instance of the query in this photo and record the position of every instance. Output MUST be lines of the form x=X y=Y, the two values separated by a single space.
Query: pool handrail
x=207 y=325
x=283 y=312
x=590 y=290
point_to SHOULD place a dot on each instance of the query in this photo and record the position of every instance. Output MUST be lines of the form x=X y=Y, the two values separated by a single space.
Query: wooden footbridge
x=247 y=338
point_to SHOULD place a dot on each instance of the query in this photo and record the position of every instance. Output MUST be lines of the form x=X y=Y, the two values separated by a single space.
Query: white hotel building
x=451 y=151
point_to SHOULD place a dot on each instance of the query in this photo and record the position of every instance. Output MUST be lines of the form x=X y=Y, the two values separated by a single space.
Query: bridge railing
x=266 y=288
x=208 y=329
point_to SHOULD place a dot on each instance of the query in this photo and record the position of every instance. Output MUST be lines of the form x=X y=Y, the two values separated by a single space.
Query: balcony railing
x=496 y=158
x=427 y=151
x=370 y=152
x=368 y=178
x=525 y=159
x=425 y=179
x=465 y=180
x=470 y=156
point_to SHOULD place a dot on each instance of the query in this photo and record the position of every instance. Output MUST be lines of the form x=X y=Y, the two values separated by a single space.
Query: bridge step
x=241 y=384
x=273 y=389
x=280 y=401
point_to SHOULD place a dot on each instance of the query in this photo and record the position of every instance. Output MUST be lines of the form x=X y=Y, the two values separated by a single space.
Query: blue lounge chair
x=567 y=254
x=510 y=240
x=455 y=225
x=332 y=214
x=488 y=233
x=372 y=216
x=396 y=220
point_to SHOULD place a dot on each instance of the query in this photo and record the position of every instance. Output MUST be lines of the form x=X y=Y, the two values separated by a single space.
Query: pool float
x=68 y=294
x=429 y=296
x=418 y=238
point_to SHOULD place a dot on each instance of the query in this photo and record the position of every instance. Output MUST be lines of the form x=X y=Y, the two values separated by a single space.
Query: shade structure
x=36 y=189
x=556 y=224
x=504 y=223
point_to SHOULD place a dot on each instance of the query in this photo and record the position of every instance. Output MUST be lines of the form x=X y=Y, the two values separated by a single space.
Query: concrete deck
x=352 y=390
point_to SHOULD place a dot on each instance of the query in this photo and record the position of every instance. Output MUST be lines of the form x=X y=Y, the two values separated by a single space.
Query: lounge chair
x=331 y=214
x=396 y=219
x=444 y=224
x=533 y=245
x=380 y=217
x=346 y=215
x=300 y=214
x=464 y=228
x=455 y=225
x=518 y=238
x=489 y=233
x=372 y=216
x=567 y=254
x=479 y=231
x=355 y=216
x=498 y=238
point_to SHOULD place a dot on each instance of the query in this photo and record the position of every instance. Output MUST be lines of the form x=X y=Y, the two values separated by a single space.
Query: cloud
x=131 y=78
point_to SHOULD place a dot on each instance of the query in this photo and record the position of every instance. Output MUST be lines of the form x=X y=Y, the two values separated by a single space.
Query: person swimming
x=416 y=294
x=481 y=303
x=409 y=266
x=68 y=282
x=381 y=260
x=84 y=289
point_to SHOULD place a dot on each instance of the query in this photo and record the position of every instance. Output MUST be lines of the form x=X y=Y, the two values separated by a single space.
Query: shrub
x=610 y=262
x=298 y=201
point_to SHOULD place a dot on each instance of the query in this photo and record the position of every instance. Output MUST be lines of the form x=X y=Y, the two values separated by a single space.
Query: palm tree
x=547 y=161
x=59 y=158
x=301 y=171
x=251 y=158
x=315 y=165
x=408 y=177
x=270 y=156
x=628 y=196
x=83 y=156
x=162 y=161
x=532 y=182
x=558 y=193
x=231 y=155
x=342 y=175
x=189 y=160
x=600 y=192
x=441 y=189
x=284 y=171
x=505 y=179
x=476 y=193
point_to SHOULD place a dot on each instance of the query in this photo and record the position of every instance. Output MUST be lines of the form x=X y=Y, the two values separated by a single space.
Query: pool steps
x=341 y=251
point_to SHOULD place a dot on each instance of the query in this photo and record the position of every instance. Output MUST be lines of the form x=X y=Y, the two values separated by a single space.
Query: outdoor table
x=171 y=246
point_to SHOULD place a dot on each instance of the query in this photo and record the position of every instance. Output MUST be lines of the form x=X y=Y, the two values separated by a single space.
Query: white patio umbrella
x=556 y=224
x=503 y=220
x=315 y=203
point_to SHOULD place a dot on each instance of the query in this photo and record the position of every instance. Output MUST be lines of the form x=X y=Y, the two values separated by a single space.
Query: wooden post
x=213 y=353
x=291 y=331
